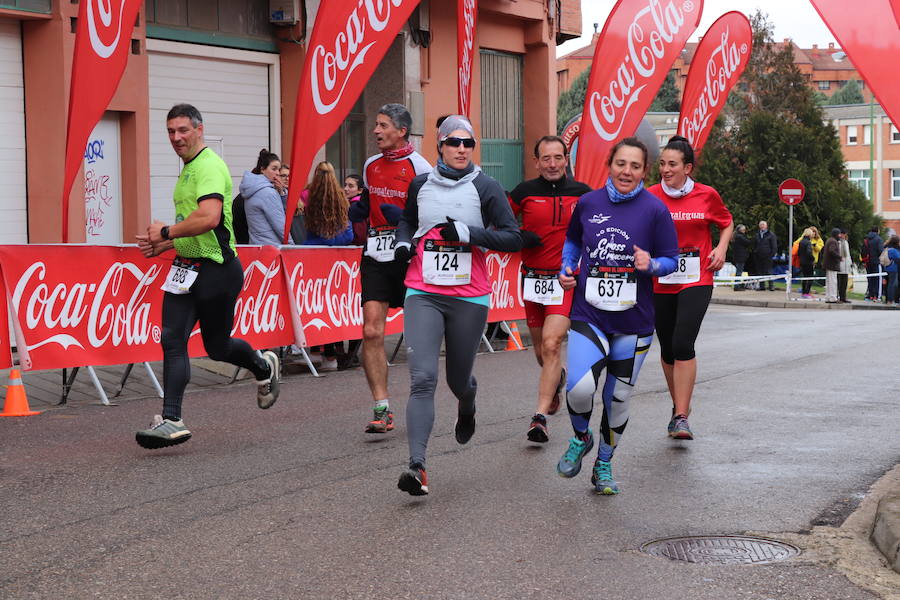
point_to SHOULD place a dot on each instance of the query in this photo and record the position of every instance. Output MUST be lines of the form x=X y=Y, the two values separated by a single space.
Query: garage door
x=13 y=201
x=232 y=95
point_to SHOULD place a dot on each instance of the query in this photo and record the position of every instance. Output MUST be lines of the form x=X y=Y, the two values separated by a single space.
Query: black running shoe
x=414 y=481
x=538 y=430
x=465 y=427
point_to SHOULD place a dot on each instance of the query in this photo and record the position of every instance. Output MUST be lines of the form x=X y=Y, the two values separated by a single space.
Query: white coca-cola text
x=332 y=67
x=465 y=66
x=650 y=36
x=258 y=311
x=722 y=64
x=337 y=295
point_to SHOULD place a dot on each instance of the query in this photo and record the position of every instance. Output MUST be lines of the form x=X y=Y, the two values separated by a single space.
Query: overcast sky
x=796 y=19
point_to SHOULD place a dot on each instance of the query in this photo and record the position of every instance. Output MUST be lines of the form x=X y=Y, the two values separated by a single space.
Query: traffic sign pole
x=791 y=192
x=790 y=262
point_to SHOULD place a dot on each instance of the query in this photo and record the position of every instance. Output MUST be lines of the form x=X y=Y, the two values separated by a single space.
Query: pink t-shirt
x=479 y=282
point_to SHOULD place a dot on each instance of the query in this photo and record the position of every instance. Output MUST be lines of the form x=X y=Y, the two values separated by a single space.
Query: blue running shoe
x=680 y=429
x=602 y=479
x=570 y=463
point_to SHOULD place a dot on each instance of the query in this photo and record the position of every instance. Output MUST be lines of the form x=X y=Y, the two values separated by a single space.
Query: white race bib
x=446 y=263
x=611 y=291
x=380 y=243
x=688 y=269
x=542 y=288
x=181 y=277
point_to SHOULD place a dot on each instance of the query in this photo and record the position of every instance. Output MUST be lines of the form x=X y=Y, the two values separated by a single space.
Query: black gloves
x=391 y=212
x=530 y=239
x=448 y=231
x=402 y=253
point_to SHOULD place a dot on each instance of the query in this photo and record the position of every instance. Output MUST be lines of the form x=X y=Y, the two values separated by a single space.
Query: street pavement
x=795 y=412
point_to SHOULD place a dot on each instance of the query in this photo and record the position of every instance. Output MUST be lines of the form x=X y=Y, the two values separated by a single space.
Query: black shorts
x=383 y=281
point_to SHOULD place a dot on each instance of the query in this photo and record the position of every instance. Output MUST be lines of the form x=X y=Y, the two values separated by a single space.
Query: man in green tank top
x=203 y=282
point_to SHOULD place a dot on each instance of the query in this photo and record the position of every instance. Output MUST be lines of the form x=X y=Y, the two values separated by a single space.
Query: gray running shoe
x=680 y=429
x=162 y=433
x=570 y=464
x=602 y=479
x=267 y=390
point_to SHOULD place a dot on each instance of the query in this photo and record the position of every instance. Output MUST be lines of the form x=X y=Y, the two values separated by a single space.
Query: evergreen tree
x=778 y=131
x=572 y=100
x=849 y=94
x=668 y=98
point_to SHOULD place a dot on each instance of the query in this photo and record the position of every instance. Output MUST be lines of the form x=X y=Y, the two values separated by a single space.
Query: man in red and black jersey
x=545 y=205
x=387 y=177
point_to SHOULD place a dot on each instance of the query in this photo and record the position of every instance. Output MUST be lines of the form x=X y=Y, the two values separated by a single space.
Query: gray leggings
x=428 y=320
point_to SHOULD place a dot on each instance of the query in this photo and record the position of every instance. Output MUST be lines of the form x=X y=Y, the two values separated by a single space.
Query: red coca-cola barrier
x=5 y=349
x=102 y=305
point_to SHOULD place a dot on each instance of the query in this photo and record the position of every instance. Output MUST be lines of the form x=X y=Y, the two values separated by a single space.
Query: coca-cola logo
x=721 y=66
x=257 y=309
x=465 y=63
x=332 y=63
x=114 y=311
x=650 y=35
x=502 y=297
x=336 y=296
x=105 y=35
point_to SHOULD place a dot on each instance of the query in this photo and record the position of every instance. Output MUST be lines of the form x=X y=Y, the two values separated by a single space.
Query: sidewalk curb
x=761 y=303
x=886 y=530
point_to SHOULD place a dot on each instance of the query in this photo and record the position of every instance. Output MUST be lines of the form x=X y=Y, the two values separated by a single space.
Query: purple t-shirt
x=606 y=233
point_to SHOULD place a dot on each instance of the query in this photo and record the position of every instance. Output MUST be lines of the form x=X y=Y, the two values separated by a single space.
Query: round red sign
x=791 y=191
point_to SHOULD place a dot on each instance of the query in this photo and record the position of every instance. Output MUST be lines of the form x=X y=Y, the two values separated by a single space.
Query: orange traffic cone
x=16 y=401
x=514 y=337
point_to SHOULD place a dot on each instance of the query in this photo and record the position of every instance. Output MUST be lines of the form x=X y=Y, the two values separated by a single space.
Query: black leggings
x=211 y=301
x=678 y=320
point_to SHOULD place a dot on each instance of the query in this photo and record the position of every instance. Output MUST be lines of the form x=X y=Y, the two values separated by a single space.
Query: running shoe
x=464 y=428
x=538 y=430
x=414 y=481
x=267 y=390
x=602 y=479
x=570 y=463
x=382 y=422
x=557 y=397
x=680 y=429
x=162 y=433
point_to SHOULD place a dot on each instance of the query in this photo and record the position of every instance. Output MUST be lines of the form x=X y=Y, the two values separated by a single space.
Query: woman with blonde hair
x=327 y=224
x=806 y=256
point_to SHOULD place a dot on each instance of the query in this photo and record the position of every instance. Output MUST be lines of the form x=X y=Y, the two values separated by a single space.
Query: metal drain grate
x=721 y=549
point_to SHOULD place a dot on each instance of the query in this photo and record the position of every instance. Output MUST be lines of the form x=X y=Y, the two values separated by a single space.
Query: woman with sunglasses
x=620 y=237
x=452 y=215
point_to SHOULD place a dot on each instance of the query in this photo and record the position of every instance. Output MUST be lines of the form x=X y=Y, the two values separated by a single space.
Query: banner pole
x=790 y=264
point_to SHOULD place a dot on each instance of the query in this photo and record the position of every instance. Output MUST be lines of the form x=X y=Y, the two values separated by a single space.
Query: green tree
x=572 y=100
x=777 y=131
x=851 y=93
x=668 y=98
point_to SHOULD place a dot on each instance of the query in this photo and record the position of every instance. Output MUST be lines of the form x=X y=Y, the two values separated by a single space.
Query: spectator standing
x=817 y=243
x=262 y=201
x=873 y=246
x=327 y=224
x=353 y=189
x=831 y=261
x=806 y=255
x=893 y=249
x=764 y=251
x=845 y=269
x=298 y=229
x=740 y=252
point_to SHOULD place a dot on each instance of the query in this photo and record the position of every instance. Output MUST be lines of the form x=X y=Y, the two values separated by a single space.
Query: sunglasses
x=454 y=142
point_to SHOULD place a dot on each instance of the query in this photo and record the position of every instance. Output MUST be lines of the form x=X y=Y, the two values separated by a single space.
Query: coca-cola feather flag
x=871 y=39
x=640 y=41
x=102 y=43
x=720 y=58
x=349 y=39
x=466 y=23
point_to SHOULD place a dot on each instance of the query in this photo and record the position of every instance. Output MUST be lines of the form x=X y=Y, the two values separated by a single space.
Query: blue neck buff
x=615 y=196
x=452 y=173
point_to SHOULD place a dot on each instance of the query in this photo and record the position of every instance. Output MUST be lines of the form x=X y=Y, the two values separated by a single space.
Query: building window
x=867 y=135
x=851 y=135
x=860 y=178
x=895 y=184
x=824 y=85
x=346 y=149
x=895 y=135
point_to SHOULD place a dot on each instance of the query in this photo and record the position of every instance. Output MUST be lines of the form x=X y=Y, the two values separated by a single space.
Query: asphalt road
x=796 y=415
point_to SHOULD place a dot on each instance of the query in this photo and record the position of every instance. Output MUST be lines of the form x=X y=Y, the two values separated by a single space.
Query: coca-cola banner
x=506 y=287
x=871 y=38
x=348 y=41
x=718 y=62
x=102 y=44
x=102 y=305
x=466 y=22
x=325 y=289
x=640 y=41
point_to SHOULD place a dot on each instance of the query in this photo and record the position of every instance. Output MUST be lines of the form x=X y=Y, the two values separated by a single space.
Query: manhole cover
x=721 y=549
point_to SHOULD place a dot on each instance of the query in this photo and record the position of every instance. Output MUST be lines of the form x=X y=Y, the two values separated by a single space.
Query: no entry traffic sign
x=791 y=191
